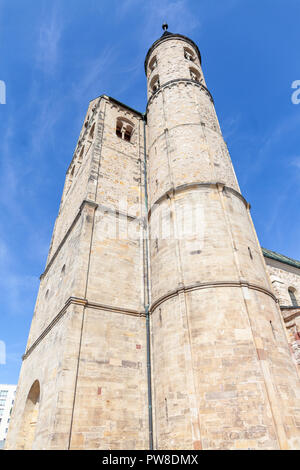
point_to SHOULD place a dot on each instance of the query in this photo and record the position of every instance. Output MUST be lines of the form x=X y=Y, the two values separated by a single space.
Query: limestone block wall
x=180 y=132
x=78 y=175
x=222 y=372
x=284 y=276
x=87 y=343
x=215 y=323
x=53 y=363
x=60 y=281
x=168 y=66
x=116 y=275
x=207 y=254
x=112 y=374
x=212 y=392
x=120 y=182
x=111 y=400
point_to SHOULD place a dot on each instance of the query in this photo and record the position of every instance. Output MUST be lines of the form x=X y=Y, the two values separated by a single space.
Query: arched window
x=154 y=85
x=62 y=273
x=152 y=64
x=189 y=54
x=92 y=132
x=81 y=154
x=87 y=121
x=30 y=418
x=71 y=176
x=124 y=129
x=195 y=75
x=292 y=293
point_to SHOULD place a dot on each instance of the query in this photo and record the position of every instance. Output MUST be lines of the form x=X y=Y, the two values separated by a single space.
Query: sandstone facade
x=285 y=276
x=156 y=321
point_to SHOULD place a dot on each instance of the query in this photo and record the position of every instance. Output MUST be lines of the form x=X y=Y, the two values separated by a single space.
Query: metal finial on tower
x=165 y=26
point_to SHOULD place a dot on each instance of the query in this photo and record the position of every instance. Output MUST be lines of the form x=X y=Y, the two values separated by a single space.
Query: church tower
x=83 y=382
x=156 y=324
x=223 y=377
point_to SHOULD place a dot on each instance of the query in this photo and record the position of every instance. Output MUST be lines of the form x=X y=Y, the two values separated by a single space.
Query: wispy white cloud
x=150 y=17
x=230 y=126
x=49 y=35
x=96 y=72
x=125 y=7
x=268 y=143
x=275 y=211
x=180 y=15
x=47 y=115
x=177 y=13
x=17 y=290
x=296 y=162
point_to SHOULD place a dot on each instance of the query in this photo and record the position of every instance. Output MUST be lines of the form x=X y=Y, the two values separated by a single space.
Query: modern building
x=7 y=397
x=160 y=322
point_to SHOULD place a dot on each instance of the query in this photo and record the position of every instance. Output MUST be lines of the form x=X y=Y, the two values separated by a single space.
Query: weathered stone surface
x=222 y=371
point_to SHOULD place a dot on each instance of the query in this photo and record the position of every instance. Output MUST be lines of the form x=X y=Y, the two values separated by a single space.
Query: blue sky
x=58 y=55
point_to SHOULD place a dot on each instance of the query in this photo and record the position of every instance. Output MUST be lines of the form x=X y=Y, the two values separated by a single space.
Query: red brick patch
x=261 y=354
x=197 y=445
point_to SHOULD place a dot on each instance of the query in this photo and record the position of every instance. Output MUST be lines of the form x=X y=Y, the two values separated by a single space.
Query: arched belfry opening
x=124 y=129
x=30 y=418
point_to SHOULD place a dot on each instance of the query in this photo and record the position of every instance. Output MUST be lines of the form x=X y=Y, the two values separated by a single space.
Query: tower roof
x=166 y=36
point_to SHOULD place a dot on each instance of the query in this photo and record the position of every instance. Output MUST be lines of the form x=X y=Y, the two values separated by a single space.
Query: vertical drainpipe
x=148 y=299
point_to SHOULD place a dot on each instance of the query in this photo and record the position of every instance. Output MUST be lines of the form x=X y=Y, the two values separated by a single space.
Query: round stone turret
x=172 y=57
x=216 y=363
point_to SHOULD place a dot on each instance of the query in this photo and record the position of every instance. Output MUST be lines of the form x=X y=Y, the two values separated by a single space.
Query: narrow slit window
x=87 y=121
x=292 y=293
x=62 y=273
x=119 y=129
x=92 y=132
x=72 y=173
x=127 y=133
x=81 y=154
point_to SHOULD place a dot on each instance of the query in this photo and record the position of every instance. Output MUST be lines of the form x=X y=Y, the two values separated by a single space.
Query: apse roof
x=282 y=258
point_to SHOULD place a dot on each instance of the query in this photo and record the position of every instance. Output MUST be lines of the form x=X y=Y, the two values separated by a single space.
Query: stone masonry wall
x=223 y=376
x=87 y=343
x=284 y=276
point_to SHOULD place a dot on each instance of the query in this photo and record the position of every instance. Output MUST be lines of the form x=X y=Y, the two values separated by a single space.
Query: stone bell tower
x=155 y=322
x=223 y=376
x=83 y=382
